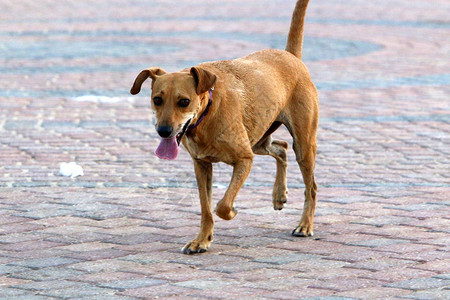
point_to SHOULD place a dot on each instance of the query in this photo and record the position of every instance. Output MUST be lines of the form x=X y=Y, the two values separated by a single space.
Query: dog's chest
x=206 y=151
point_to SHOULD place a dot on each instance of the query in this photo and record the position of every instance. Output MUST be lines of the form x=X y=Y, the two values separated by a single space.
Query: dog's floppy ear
x=154 y=73
x=204 y=80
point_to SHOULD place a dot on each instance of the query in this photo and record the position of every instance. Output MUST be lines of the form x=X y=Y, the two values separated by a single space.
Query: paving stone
x=345 y=284
x=10 y=282
x=184 y=274
x=103 y=212
x=377 y=243
x=142 y=259
x=46 y=262
x=37 y=254
x=100 y=277
x=108 y=297
x=28 y=296
x=18 y=237
x=75 y=292
x=373 y=293
x=423 y=256
x=158 y=291
x=308 y=293
x=262 y=274
x=397 y=274
x=8 y=269
x=114 y=265
x=48 y=285
x=79 y=237
x=402 y=248
x=97 y=254
x=228 y=293
x=286 y=259
x=429 y=294
x=135 y=239
x=86 y=247
x=205 y=260
x=248 y=242
x=18 y=228
x=435 y=266
x=8 y=293
x=132 y=284
x=27 y=246
x=12 y=219
x=381 y=264
x=38 y=214
x=236 y=267
x=443 y=276
x=350 y=255
x=51 y=274
x=420 y=283
x=314 y=264
x=329 y=298
x=206 y=284
x=19 y=124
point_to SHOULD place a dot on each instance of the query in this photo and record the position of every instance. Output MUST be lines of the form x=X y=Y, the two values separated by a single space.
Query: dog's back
x=260 y=84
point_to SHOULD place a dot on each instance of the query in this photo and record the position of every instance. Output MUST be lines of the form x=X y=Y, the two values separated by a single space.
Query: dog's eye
x=184 y=102
x=157 y=101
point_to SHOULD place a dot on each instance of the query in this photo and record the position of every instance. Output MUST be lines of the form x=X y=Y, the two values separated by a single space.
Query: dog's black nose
x=165 y=131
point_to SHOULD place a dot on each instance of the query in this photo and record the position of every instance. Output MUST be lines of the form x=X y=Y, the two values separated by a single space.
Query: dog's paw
x=278 y=203
x=226 y=213
x=303 y=231
x=195 y=247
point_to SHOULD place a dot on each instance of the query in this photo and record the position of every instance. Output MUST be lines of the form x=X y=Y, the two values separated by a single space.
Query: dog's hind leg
x=276 y=149
x=304 y=131
x=305 y=155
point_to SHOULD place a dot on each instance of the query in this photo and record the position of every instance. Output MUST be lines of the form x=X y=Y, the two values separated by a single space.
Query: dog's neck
x=204 y=113
x=187 y=129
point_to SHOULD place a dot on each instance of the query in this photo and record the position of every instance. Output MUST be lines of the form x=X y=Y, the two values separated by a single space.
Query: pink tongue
x=167 y=149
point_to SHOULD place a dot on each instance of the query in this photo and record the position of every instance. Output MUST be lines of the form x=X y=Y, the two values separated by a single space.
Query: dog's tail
x=295 y=37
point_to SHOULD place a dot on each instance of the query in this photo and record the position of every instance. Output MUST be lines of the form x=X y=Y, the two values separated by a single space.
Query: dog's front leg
x=203 y=173
x=241 y=169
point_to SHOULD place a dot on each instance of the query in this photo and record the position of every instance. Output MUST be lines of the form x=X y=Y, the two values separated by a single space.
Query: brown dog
x=252 y=97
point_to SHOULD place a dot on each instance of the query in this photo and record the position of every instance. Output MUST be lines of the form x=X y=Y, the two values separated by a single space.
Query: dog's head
x=177 y=98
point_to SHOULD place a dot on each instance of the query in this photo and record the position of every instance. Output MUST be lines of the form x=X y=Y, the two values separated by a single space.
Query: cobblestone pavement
x=382 y=227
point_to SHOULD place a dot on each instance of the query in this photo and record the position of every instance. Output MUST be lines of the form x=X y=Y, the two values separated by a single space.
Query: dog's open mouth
x=168 y=147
